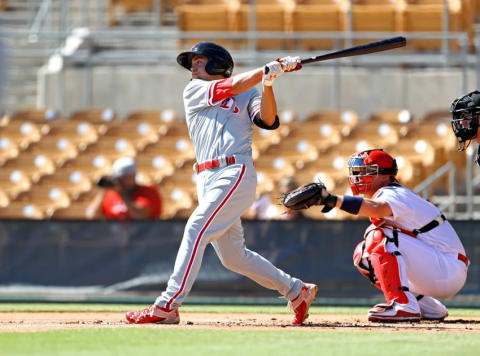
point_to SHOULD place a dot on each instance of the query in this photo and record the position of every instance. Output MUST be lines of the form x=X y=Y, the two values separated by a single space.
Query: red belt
x=215 y=164
x=464 y=259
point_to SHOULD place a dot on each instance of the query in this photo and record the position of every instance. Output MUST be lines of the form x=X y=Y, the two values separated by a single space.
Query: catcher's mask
x=220 y=61
x=364 y=166
x=465 y=111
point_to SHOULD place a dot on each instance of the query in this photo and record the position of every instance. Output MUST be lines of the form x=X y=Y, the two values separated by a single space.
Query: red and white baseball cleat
x=394 y=312
x=301 y=304
x=153 y=314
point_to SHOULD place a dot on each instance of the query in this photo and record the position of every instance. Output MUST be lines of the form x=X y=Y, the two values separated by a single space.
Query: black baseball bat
x=372 y=47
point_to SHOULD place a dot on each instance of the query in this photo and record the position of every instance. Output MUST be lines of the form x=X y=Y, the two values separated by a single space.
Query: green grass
x=72 y=307
x=165 y=341
x=194 y=341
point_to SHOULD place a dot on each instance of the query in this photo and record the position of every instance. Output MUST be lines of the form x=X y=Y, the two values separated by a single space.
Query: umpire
x=465 y=111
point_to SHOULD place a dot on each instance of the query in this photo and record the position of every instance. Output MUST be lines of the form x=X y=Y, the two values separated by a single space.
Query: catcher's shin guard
x=388 y=265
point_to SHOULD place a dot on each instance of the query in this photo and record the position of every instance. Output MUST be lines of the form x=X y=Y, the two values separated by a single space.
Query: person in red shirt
x=122 y=197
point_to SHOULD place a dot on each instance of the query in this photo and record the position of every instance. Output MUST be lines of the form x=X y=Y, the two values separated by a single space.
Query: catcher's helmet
x=364 y=166
x=465 y=111
x=220 y=61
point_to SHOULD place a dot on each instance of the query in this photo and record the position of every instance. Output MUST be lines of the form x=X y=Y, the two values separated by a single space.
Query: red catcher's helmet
x=364 y=166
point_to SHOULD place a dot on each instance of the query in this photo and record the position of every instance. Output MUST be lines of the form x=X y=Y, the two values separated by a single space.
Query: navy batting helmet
x=220 y=61
x=465 y=111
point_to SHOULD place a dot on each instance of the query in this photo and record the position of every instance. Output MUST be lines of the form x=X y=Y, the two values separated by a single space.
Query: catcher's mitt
x=304 y=196
x=307 y=195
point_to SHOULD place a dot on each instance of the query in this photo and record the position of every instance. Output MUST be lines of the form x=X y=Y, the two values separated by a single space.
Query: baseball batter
x=410 y=251
x=465 y=111
x=220 y=111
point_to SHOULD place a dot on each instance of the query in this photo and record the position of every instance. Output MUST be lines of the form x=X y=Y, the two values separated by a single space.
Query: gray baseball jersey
x=219 y=128
x=221 y=125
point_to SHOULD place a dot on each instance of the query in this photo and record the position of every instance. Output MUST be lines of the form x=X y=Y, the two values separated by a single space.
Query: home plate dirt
x=43 y=321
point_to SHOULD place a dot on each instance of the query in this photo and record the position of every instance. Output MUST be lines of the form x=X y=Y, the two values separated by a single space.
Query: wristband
x=351 y=204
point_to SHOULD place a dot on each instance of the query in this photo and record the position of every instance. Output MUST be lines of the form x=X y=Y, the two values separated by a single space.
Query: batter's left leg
x=234 y=255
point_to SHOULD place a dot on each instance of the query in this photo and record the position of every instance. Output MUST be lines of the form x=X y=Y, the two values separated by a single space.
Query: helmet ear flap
x=212 y=70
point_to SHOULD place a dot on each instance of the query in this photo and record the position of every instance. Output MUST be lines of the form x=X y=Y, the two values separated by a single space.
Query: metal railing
x=424 y=188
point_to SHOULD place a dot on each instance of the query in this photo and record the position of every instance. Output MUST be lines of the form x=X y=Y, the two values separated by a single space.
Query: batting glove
x=271 y=71
x=290 y=64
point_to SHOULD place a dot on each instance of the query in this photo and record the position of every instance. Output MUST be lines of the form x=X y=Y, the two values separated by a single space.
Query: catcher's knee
x=361 y=261
x=374 y=236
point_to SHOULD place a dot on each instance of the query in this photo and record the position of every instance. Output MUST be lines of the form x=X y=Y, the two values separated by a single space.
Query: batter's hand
x=290 y=64
x=271 y=71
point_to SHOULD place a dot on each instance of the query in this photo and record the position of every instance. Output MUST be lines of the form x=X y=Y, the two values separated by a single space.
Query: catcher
x=410 y=251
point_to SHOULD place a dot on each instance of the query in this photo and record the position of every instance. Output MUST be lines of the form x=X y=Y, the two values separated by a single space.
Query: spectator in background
x=122 y=198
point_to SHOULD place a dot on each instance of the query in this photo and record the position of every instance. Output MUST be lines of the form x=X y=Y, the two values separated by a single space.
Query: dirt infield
x=43 y=321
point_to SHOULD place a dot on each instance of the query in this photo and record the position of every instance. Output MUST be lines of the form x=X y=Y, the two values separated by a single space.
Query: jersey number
x=227 y=105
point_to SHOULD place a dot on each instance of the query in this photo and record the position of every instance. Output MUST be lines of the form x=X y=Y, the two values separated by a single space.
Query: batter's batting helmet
x=465 y=111
x=220 y=61
x=364 y=166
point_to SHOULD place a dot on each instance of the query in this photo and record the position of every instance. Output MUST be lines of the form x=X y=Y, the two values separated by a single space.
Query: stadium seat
x=159 y=118
x=38 y=116
x=178 y=147
x=184 y=178
x=8 y=150
x=406 y=172
x=276 y=168
x=344 y=120
x=46 y=198
x=321 y=135
x=177 y=129
x=112 y=148
x=94 y=164
x=177 y=203
x=203 y=18
x=23 y=133
x=400 y=119
x=312 y=173
x=328 y=16
x=378 y=134
x=14 y=181
x=440 y=136
x=140 y=133
x=21 y=210
x=437 y=115
x=75 y=211
x=80 y=133
x=269 y=18
x=58 y=149
x=72 y=181
x=420 y=153
x=98 y=117
x=4 y=199
x=155 y=166
x=429 y=18
x=262 y=139
x=128 y=7
x=296 y=151
x=265 y=183
x=330 y=166
x=375 y=17
x=34 y=165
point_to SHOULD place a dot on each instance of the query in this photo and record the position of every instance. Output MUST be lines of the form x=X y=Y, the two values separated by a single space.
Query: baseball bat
x=372 y=47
